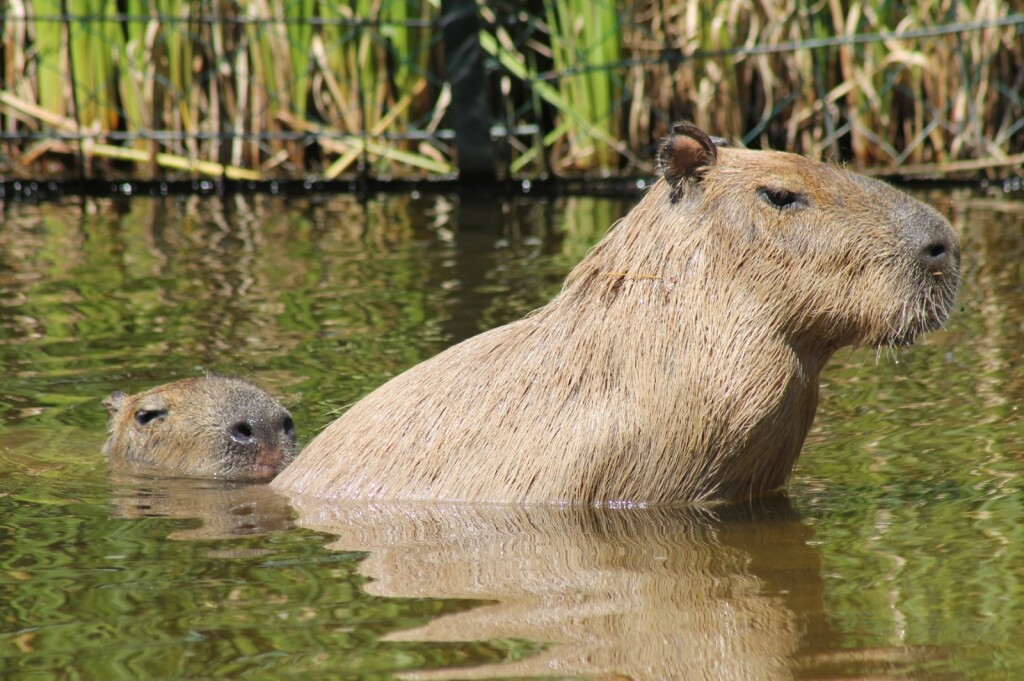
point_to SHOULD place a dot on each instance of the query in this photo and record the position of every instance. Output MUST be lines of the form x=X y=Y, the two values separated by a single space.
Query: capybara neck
x=680 y=362
x=206 y=427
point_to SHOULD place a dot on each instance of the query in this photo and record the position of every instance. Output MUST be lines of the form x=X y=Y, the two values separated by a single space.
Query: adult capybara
x=679 y=363
x=207 y=427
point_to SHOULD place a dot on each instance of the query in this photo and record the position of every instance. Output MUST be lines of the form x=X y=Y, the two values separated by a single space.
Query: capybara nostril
x=241 y=432
x=935 y=255
x=927 y=238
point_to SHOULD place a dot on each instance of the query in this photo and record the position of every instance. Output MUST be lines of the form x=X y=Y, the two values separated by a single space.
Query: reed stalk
x=299 y=29
x=273 y=89
x=135 y=71
x=513 y=61
x=338 y=103
x=178 y=49
x=591 y=84
x=584 y=33
x=15 y=59
x=370 y=93
x=51 y=59
x=584 y=130
x=411 y=47
x=400 y=40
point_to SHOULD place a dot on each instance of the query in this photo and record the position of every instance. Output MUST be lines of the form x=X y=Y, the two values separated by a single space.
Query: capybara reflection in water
x=207 y=427
x=679 y=363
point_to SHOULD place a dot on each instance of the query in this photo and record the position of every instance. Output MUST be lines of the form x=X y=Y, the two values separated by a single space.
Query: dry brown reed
x=286 y=88
x=835 y=79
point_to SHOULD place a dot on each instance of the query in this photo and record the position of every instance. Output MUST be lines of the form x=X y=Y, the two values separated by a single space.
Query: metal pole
x=468 y=111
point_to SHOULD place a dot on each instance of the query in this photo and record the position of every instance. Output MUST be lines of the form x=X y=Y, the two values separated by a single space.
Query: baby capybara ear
x=687 y=153
x=114 y=401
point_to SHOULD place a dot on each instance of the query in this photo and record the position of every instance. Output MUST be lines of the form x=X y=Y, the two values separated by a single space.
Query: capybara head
x=823 y=256
x=208 y=427
x=681 y=360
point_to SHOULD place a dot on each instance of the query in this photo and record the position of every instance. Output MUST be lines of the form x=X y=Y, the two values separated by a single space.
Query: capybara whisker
x=770 y=262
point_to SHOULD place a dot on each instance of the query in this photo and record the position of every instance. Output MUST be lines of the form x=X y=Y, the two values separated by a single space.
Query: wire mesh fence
x=265 y=89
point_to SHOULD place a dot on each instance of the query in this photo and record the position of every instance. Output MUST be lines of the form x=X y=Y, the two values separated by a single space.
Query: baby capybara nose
x=288 y=428
x=273 y=433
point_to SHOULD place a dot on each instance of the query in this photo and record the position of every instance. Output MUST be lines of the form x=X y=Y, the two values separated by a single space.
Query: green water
x=898 y=553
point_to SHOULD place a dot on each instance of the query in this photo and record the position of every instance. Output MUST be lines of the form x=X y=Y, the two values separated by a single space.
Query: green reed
x=135 y=72
x=49 y=34
x=594 y=84
x=585 y=33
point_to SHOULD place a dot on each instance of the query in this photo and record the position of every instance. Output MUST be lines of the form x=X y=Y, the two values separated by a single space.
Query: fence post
x=468 y=111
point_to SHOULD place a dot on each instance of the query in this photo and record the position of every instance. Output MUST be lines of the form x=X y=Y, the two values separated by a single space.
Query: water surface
x=898 y=552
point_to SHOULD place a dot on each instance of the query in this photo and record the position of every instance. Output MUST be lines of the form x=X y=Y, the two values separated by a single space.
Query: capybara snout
x=930 y=239
x=930 y=242
x=208 y=427
x=927 y=237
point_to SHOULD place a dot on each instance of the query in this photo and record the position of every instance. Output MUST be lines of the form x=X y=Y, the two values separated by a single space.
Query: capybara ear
x=687 y=153
x=114 y=401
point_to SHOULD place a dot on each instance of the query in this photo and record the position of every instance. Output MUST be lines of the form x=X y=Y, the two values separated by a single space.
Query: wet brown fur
x=207 y=427
x=680 y=362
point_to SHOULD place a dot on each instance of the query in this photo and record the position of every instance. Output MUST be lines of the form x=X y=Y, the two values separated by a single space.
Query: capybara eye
x=288 y=426
x=144 y=416
x=782 y=198
x=241 y=432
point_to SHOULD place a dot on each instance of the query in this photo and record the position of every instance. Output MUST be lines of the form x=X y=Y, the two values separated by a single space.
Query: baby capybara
x=679 y=363
x=207 y=427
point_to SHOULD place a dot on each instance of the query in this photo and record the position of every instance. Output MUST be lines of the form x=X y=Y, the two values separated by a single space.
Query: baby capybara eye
x=145 y=416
